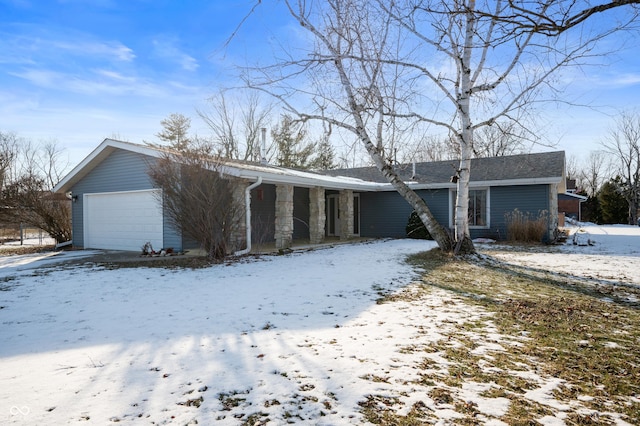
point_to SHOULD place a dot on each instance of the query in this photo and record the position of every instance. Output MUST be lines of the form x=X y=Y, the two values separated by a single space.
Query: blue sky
x=79 y=71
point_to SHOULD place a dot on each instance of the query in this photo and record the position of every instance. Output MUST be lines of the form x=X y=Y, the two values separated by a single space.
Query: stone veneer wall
x=317 y=215
x=238 y=235
x=284 y=216
x=553 y=210
x=346 y=214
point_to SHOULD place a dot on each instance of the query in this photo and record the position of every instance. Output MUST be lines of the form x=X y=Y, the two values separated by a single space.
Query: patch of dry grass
x=554 y=326
x=524 y=227
x=21 y=250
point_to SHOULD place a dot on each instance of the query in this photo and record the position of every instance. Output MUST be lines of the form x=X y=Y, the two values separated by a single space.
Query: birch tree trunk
x=462 y=234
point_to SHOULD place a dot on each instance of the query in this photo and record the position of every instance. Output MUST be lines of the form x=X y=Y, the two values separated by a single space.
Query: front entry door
x=333 y=215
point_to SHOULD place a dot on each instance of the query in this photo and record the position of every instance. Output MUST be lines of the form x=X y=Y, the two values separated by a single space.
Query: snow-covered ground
x=299 y=337
x=607 y=253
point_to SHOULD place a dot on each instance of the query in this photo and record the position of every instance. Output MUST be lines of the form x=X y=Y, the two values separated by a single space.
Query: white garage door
x=122 y=220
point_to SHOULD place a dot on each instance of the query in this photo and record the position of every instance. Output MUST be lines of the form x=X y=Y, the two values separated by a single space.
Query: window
x=478 y=208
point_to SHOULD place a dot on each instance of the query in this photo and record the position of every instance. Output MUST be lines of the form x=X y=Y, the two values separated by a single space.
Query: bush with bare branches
x=524 y=227
x=197 y=199
x=28 y=172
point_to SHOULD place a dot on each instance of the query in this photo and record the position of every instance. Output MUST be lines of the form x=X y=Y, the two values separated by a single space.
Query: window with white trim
x=478 y=208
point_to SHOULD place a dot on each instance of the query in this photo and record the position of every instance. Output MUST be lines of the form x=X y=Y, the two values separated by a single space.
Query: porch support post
x=346 y=214
x=284 y=216
x=238 y=228
x=553 y=210
x=317 y=215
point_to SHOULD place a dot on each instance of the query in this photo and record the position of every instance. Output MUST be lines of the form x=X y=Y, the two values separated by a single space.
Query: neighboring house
x=570 y=204
x=115 y=205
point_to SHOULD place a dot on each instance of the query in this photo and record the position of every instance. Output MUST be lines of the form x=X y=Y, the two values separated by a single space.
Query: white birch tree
x=373 y=66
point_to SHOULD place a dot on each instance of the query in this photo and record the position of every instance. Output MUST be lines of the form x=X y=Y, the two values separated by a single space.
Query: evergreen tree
x=591 y=211
x=613 y=205
x=175 y=131
x=325 y=158
x=289 y=139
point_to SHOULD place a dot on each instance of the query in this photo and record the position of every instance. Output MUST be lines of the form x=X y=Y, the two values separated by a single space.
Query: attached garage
x=122 y=220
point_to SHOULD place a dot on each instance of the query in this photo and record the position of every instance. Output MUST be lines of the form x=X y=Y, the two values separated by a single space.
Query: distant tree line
x=610 y=177
x=28 y=173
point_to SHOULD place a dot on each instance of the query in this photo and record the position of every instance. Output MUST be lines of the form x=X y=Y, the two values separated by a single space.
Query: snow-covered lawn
x=614 y=255
x=296 y=338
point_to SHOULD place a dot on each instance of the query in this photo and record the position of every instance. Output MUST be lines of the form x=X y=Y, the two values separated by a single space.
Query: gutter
x=247 y=207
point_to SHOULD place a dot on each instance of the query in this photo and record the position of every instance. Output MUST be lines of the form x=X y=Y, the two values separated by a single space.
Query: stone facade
x=346 y=214
x=553 y=210
x=284 y=216
x=317 y=215
x=238 y=236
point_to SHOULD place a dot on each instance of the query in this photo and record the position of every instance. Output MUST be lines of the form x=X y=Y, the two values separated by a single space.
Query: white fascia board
x=300 y=179
x=579 y=197
x=487 y=183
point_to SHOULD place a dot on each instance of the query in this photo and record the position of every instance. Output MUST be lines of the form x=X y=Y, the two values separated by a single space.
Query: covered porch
x=284 y=216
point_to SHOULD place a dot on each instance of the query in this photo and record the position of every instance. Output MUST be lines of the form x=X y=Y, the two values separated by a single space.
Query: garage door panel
x=123 y=220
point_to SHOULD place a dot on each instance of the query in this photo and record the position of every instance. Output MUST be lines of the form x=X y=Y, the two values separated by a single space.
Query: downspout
x=247 y=207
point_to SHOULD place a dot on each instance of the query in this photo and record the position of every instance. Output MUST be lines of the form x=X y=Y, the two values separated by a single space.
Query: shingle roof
x=507 y=168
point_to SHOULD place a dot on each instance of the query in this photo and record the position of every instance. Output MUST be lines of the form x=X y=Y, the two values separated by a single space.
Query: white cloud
x=628 y=79
x=107 y=50
x=40 y=78
x=94 y=84
x=113 y=75
x=166 y=49
x=27 y=43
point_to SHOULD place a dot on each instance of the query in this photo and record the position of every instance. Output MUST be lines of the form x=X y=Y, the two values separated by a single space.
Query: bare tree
x=556 y=17
x=430 y=148
x=196 y=197
x=29 y=173
x=623 y=144
x=572 y=167
x=374 y=66
x=237 y=126
x=29 y=200
x=593 y=174
x=500 y=139
x=8 y=155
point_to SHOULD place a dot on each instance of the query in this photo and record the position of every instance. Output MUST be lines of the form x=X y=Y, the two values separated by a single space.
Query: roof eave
x=96 y=156
x=303 y=181
x=488 y=183
x=274 y=175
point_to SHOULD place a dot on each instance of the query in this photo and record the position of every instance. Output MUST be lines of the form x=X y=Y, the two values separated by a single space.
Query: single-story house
x=116 y=206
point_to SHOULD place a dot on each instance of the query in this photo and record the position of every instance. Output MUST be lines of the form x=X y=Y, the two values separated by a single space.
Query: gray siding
x=385 y=214
x=120 y=171
x=529 y=199
x=263 y=207
x=300 y=213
